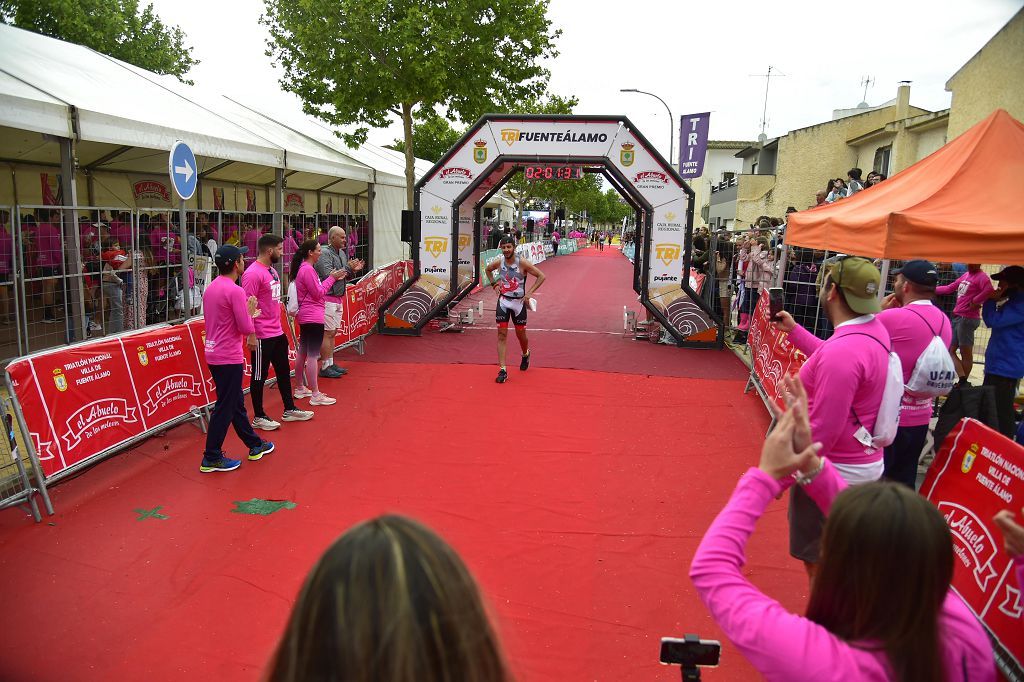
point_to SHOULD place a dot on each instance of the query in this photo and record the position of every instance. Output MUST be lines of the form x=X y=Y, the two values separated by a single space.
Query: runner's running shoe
x=264 y=448
x=524 y=364
x=265 y=424
x=221 y=464
x=502 y=376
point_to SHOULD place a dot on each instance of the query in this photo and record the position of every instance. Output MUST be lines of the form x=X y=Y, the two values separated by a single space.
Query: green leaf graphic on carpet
x=153 y=513
x=261 y=507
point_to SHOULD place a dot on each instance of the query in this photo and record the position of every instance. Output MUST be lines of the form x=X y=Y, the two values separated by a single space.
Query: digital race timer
x=553 y=172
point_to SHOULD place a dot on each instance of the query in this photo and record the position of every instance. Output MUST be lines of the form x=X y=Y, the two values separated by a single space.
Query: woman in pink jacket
x=880 y=606
x=311 y=293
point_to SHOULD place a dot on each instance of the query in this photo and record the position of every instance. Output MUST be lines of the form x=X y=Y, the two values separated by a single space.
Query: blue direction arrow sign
x=183 y=170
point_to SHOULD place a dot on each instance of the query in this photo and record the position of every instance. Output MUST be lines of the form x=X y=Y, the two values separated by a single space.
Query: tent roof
x=124 y=112
x=961 y=204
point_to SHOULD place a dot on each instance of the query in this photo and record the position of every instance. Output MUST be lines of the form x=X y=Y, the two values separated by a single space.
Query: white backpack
x=934 y=373
x=293 y=300
x=888 y=419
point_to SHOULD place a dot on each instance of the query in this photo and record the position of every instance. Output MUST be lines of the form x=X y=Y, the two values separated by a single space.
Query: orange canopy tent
x=964 y=203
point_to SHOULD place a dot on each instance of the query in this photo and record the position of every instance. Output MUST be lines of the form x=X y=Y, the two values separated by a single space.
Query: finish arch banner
x=499 y=146
x=977 y=473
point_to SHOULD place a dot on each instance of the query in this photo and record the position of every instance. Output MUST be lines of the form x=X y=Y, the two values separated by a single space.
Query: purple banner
x=693 y=144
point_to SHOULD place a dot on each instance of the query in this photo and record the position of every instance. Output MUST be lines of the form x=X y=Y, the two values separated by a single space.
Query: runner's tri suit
x=512 y=294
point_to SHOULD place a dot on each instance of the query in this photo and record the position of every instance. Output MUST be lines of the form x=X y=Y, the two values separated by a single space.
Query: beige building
x=787 y=171
x=992 y=79
x=721 y=166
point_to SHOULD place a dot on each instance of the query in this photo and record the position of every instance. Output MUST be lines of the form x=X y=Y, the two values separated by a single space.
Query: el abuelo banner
x=165 y=372
x=40 y=427
x=773 y=357
x=977 y=473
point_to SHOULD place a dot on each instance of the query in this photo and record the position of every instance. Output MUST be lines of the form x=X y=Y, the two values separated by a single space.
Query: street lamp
x=671 y=121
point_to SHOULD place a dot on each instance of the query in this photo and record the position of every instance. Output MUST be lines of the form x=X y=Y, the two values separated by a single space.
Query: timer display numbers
x=548 y=172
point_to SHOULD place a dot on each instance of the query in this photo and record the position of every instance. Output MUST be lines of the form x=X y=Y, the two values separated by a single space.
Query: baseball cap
x=228 y=254
x=919 y=271
x=1013 y=274
x=859 y=280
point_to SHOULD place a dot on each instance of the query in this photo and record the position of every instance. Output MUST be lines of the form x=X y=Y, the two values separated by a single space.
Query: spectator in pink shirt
x=166 y=244
x=845 y=378
x=880 y=607
x=312 y=299
x=912 y=321
x=49 y=261
x=228 y=316
x=6 y=267
x=972 y=290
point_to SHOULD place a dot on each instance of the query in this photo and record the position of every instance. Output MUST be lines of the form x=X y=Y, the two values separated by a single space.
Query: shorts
x=806 y=521
x=311 y=337
x=332 y=316
x=502 y=315
x=963 y=331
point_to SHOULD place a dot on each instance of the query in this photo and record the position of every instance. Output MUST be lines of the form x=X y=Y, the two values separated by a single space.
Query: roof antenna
x=867 y=82
x=764 y=114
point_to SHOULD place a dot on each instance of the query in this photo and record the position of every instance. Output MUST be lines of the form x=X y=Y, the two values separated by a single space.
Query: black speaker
x=560 y=214
x=529 y=224
x=409 y=219
x=488 y=212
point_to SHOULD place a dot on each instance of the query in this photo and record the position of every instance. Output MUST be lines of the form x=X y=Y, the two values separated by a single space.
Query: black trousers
x=229 y=410
x=272 y=351
x=1006 y=390
x=902 y=455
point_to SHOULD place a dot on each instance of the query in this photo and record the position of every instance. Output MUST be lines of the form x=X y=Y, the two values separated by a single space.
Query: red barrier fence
x=977 y=473
x=772 y=356
x=84 y=401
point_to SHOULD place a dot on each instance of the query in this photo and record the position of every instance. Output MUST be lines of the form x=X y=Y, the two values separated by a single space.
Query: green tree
x=354 y=62
x=117 y=28
x=432 y=136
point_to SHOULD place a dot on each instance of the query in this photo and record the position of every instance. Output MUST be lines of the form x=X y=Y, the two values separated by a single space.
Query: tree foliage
x=355 y=62
x=432 y=136
x=117 y=28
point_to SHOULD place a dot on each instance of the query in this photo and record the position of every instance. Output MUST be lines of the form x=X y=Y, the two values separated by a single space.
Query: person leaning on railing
x=880 y=607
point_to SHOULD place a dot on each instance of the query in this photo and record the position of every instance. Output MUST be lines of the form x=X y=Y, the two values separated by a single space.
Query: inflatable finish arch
x=446 y=236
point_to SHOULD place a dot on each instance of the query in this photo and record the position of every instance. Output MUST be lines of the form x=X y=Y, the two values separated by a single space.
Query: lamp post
x=671 y=121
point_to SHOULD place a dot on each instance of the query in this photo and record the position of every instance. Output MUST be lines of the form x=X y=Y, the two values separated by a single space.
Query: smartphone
x=776 y=302
x=690 y=652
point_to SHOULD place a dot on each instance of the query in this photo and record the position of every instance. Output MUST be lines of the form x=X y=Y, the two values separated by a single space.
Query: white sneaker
x=296 y=415
x=94 y=326
x=322 y=399
x=302 y=392
x=265 y=424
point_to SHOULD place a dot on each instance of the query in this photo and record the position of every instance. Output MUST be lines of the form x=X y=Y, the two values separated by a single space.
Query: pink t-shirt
x=910 y=335
x=122 y=232
x=845 y=378
x=972 y=290
x=263 y=282
x=6 y=252
x=48 y=246
x=227 y=321
x=251 y=239
x=782 y=645
x=165 y=245
x=311 y=293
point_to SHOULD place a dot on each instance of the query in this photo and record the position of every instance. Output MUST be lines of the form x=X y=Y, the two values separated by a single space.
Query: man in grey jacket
x=334 y=257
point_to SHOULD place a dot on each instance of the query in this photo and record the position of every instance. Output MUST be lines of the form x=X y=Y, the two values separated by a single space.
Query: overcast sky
x=697 y=57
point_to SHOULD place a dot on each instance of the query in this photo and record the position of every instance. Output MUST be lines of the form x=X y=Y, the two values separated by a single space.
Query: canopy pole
x=75 y=302
x=279 y=202
x=370 y=195
x=884 y=280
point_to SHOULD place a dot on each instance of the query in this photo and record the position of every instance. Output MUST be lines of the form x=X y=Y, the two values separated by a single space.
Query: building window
x=882 y=156
x=727 y=176
x=753 y=168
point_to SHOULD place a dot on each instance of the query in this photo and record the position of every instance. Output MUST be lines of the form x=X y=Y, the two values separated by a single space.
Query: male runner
x=512 y=300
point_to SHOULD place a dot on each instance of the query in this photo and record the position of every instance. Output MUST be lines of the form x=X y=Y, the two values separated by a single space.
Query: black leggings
x=272 y=351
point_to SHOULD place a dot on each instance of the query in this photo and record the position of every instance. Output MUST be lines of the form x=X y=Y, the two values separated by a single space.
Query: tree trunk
x=410 y=157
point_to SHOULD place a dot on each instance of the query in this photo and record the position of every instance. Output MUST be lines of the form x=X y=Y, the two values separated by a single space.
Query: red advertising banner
x=165 y=372
x=977 y=473
x=36 y=417
x=773 y=356
x=90 y=406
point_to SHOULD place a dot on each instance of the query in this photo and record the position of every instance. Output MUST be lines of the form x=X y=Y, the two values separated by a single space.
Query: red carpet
x=576 y=497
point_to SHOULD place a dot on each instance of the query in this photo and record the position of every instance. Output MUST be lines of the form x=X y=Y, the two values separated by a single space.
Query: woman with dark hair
x=389 y=601
x=839 y=191
x=311 y=294
x=880 y=605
